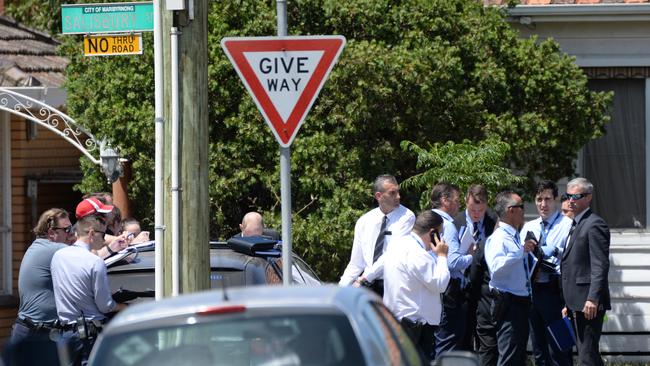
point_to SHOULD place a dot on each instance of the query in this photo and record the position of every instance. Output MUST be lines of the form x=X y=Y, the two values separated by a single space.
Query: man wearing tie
x=584 y=268
x=445 y=201
x=479 y=328
x=506 y=258
x=372 y=232
x=551 y=228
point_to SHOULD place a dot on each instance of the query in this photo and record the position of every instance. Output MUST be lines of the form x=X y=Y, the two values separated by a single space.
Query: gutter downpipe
x=175 y=162
x=159 y=152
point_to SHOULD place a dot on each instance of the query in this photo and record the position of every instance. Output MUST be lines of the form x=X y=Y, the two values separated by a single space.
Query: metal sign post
x=284 y=75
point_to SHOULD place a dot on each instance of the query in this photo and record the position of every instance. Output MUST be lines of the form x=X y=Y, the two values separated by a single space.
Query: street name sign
x=113 y=44
x=284 y=75
x=107 y=18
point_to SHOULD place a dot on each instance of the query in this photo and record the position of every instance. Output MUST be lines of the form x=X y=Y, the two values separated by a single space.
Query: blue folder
x=561 y=332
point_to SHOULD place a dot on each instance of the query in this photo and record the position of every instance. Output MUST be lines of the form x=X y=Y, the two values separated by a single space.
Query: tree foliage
x=427 y=72
x=43 y=15
x=462 y=164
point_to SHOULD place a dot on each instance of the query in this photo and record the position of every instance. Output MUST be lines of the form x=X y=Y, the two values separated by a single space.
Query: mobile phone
x=434 y=235
x=531 y=236
x=130 y=235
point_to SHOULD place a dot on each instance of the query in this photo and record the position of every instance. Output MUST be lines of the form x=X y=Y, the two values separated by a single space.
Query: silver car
x=264 y=325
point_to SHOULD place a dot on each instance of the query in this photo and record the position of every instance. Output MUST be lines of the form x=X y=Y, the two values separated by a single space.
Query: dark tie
x=568 y=238
x=477 y=233
x=379 y=244
x=542 y=236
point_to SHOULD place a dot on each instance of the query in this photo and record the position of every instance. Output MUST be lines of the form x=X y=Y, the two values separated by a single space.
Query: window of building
x=616 y=162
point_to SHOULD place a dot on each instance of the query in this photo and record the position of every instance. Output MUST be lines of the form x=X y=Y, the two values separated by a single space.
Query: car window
x=296 y=339
x=384 y=348
x=228 y=277
x=408 y=350
x=300 y=272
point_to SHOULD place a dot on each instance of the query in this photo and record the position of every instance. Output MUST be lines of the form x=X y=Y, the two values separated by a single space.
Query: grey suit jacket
x=585 y=264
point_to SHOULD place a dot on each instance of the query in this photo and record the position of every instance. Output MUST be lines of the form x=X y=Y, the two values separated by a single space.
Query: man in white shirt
x=81 y=285
x=372 y=233
x=416 y=274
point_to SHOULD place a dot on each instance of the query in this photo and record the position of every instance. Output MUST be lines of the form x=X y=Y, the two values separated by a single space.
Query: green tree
x=43 y=15
x=427 y=72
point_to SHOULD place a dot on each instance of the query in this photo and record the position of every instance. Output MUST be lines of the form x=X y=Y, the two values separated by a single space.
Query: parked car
x=264 y=325
x=238 y=262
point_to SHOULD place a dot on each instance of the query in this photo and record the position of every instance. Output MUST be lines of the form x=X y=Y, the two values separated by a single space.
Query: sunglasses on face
x=67 y=229
x=575 y=196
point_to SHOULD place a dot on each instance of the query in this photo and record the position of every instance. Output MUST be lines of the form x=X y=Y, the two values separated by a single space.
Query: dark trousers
x=377 y=286
x=449 y=334
x=30 y=346
x=486 y=331
x=512 y=328
x=587 y=337
x=470 y=338
x=422 y=337
x=547 y=307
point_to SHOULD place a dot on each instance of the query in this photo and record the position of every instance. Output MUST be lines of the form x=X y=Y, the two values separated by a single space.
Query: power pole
x=186 y=249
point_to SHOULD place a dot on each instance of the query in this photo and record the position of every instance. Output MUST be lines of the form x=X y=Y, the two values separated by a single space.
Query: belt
x=69 y=327
x=521 y=299
x=36 y=325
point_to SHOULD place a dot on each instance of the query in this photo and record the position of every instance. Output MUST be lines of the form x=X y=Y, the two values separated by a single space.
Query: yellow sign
x=114 y=44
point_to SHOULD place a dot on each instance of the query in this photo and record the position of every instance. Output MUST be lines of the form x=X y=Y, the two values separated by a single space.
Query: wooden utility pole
x=193 y=213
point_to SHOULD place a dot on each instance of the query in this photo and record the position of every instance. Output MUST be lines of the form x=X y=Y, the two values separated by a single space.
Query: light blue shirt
x=80 y=284
x=457 y=261
x=555 y=237
x=505 y=259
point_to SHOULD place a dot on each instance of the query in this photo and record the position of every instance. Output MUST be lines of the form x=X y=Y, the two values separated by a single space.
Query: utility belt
x=501 y=302
x=87 y=329
x=37 y=326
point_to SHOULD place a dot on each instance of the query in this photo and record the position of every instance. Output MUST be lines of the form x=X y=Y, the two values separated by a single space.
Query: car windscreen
x=297 y=339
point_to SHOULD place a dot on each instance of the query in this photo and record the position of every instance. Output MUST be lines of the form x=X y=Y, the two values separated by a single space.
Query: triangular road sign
x=284 y=75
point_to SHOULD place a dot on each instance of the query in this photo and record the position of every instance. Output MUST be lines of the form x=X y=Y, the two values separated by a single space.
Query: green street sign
x=107 y=18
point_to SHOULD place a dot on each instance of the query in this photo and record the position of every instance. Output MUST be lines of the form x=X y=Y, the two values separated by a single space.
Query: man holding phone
x=416 y=273
x=549 y=230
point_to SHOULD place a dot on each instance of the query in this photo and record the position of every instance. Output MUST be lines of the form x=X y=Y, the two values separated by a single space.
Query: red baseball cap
x=91 y=206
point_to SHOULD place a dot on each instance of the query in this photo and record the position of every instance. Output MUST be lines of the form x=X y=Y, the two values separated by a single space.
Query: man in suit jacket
x=479 y=327
x=584 y=269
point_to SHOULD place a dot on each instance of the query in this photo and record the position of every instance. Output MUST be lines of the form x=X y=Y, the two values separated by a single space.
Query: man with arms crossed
x=415 y=279
x=372 y=232
x=585 y=266
x=506 y=257
x=551 y=229
x=37 y=312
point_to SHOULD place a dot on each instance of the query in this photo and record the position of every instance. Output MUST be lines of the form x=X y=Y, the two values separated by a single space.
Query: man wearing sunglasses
x=506 y=257
x=584 y=268
x=37 y=313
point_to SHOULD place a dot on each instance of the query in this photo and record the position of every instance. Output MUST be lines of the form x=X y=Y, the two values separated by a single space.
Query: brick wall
x=47 y=159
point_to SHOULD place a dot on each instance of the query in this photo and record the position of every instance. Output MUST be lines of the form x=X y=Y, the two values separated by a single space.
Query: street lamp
x=110 y=161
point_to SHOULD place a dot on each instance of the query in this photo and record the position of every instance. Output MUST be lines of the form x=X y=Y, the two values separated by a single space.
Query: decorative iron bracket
x=64 y=126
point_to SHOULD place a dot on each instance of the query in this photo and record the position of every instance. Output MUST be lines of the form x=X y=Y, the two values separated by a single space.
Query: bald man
x=252 y=224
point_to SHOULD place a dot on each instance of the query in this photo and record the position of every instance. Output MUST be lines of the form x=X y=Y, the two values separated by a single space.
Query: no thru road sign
x=284 y=75
x=115 y=44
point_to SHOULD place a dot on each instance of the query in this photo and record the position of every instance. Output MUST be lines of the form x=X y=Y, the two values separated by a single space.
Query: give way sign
x=284 y=75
